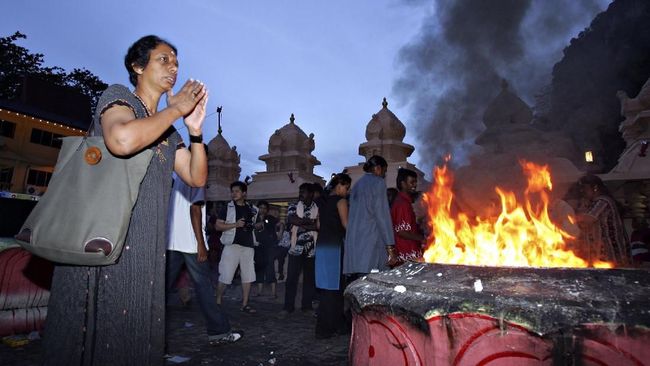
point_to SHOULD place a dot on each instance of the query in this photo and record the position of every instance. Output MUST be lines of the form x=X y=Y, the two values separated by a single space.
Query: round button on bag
x=93 y=155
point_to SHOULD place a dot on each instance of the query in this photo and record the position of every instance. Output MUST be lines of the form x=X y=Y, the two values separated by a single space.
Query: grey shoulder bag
x=84 y=215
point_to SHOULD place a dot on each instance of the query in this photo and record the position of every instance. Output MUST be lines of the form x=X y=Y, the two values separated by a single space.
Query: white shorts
x=236 y=255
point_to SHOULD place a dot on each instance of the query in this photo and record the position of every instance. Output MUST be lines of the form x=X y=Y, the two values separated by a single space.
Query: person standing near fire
x=408 y=238
x=332 y=221
x=604 y=232
x=369 y=239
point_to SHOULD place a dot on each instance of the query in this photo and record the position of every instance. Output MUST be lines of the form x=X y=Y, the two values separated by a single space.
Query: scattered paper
x=478 y=286
x=178 y=359
x=400 y=289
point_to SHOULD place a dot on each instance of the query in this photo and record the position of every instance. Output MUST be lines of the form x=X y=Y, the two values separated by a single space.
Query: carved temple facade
x=290 y=162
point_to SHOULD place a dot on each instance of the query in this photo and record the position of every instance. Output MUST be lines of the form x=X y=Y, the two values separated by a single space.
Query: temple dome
x=385 y=134
x=507 y=108
x=223 y=164
x=384 y=125
x=218 y=147
x=290 y=137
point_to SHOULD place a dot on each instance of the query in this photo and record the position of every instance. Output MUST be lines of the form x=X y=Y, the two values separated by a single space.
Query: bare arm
x=192 y=165
x=223 y=226
x=410 y=235
x=124 y=134
x=196 y=218
x=342 y=207
x=307 y=224
x=279 y=229
x=586 y=219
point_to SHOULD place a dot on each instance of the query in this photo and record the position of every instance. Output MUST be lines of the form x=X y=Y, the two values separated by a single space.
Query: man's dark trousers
x=216 y=320
x=298 y=263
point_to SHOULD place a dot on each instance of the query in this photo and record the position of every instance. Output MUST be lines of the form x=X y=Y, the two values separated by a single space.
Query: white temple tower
x=289 y=163
x=385 y=137
x=223 y=168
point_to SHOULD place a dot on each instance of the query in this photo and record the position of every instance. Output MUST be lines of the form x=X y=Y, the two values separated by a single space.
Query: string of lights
x=42 y=120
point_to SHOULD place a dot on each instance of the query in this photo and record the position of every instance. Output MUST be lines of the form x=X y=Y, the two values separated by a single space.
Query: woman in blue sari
x=333 y=220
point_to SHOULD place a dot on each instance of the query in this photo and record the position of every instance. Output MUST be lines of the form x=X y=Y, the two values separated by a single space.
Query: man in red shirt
x=408 y=238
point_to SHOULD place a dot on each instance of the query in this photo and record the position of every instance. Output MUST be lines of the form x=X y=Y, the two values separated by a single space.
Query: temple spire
x=504 y=84
x=292 y=118
x=219 y=109
x=384 y=103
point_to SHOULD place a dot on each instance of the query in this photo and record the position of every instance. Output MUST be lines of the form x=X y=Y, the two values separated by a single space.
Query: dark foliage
x=16 y=62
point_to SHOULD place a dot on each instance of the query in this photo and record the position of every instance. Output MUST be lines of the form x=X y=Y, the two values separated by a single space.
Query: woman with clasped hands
x=115 y=315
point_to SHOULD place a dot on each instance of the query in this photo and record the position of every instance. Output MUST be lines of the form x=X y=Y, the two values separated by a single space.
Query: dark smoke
x=454 y=67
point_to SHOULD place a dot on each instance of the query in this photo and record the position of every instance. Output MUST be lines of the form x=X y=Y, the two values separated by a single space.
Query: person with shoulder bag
x=115 y=314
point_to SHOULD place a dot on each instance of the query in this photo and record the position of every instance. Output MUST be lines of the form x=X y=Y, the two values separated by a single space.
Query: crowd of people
x=331 y=236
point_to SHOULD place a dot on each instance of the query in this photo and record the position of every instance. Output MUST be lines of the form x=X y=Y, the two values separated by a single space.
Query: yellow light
x=42 y=121
x=589 y=156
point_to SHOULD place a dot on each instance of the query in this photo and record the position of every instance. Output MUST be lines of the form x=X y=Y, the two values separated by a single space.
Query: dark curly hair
x=591 y=181
x=138 y=54
x=340 y=178
x=243 y=186
x=402 y=174
x=374 y=161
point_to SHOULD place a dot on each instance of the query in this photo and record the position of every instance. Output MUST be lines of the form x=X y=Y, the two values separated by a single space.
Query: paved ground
x=267 y=340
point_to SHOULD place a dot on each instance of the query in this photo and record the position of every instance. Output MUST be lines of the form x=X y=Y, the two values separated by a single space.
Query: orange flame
x=521 y=235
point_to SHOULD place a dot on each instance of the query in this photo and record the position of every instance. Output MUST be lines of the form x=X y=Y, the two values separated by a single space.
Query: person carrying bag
x=86 y=177
x=115 y=314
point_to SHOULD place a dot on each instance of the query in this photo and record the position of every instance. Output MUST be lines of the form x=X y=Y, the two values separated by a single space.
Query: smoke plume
x=454 y=66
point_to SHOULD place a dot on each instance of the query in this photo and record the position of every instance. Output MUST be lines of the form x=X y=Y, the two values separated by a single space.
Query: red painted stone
x=431 y=315
x=465 y=339
x=24 y=291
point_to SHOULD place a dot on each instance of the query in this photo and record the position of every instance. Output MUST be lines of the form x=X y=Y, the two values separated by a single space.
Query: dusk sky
x=329 y=62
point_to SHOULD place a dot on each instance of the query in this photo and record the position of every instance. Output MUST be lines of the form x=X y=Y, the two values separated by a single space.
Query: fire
x=522 y=235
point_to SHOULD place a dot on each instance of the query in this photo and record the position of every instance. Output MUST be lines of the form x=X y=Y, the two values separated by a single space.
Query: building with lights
x=30 y=130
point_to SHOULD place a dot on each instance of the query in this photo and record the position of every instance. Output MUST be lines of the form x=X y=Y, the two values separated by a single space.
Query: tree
x=16 y=62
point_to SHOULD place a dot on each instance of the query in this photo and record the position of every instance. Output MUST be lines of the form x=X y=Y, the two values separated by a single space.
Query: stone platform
x=432 y=314
x=267 y=340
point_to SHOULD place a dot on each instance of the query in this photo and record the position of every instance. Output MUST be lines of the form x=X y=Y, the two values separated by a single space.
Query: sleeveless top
x=331 y=229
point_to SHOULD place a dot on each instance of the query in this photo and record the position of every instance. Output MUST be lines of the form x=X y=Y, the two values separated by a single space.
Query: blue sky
x=329 y=62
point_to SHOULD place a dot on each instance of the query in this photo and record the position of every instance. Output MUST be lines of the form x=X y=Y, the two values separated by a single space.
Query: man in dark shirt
x=266 y=232
x=236 y=221
x=302 y=216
